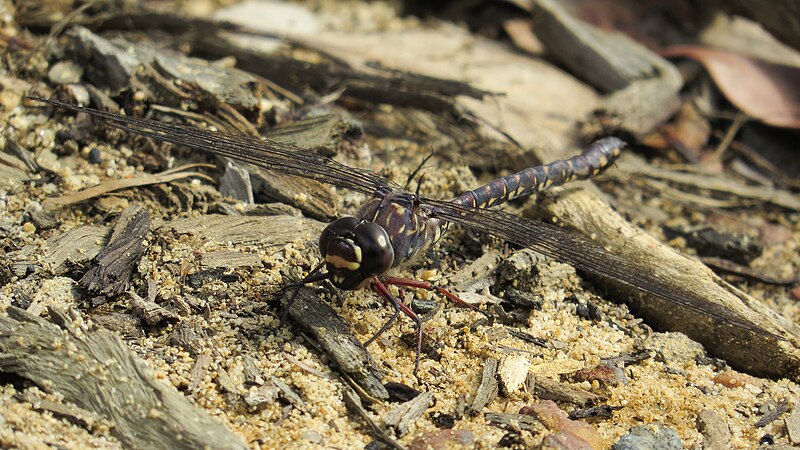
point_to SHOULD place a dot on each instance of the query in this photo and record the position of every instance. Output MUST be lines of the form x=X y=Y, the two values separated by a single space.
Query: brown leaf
x=765 y=91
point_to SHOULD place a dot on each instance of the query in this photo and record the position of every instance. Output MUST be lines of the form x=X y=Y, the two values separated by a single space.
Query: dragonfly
x=394 y=225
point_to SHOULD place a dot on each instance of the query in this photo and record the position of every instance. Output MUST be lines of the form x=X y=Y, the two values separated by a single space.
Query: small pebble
x=642 y=437
x=28 y=227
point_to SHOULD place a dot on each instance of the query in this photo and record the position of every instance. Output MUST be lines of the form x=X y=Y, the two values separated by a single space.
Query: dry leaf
x=765 y=91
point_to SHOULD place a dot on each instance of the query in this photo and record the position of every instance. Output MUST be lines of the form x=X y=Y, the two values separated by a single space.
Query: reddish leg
x=398 y=306
x=408 y=282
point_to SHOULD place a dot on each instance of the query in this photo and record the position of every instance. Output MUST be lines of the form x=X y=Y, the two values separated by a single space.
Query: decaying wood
x=264 y=232
x=487 y=389
x=113 y=267
x=297 y=75
x=76 y=246
x=505 y=420
x=353 y=403
x=96 y=371
x=610 y=62
x=513 y=371
x=404 y=414
x=548 y=389
x=772 y=415
x=644 y=87
x=333 y=334
x=147 y=309
x=754 y=352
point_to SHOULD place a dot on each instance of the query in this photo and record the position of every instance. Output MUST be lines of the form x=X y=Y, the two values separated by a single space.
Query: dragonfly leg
x=312 y=276
x=392 y=301
x=381 y=289
x=408 y=282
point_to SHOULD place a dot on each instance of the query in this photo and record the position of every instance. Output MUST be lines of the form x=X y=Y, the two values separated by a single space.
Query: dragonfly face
x=354 y=251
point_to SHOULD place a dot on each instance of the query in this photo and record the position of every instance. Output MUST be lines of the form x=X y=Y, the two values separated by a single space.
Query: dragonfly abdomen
x=593 y=161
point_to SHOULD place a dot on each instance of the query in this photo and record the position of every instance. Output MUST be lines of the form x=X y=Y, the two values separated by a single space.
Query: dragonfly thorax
x=354 y=251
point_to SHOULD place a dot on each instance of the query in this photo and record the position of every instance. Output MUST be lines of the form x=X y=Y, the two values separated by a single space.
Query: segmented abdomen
x=593 y=161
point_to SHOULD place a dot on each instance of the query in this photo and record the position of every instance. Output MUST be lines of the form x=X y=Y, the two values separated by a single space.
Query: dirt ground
x=273 y=385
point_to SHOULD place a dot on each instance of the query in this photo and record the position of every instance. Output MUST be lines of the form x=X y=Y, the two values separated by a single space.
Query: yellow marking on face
x=357 y=251
x=341 y=263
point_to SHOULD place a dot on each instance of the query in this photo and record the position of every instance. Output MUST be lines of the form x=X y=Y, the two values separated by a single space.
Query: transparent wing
x=259 y=152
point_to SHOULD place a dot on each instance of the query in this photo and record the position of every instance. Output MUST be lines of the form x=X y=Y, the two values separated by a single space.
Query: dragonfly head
x=355 y=250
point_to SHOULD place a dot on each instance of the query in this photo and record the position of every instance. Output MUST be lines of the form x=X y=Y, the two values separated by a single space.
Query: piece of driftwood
x=769 y=346
x=289 y=394
x=605 y=60
x=477 y=275
x=264 y=232
x=403 y=415
x=487 y=389
x=333 y=334
x=513 y=371
x=772 y=415
x=506 y=420
x=353 y=404
x=373 y=87
x=235 y=183
x=321 y=133
x=549 y=389
x=644 y=86
x=75 y=247
x=147 y=309
x=111 y=270
x=96 y=371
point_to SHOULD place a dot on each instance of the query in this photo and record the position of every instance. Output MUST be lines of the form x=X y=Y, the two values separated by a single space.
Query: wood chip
x=513 y=371
x=229 y=259
x=75 y=247
x=523 y=421
x=98 y=372
x=333 y=334
x=112 y=268
x=403 y=415
x=773 y=414
x=353 y=404
x=264 y=232
x=488 y=388
x=549 y=389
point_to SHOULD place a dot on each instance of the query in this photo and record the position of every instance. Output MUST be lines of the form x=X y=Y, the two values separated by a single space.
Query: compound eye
x=376 y=248
x=338 y=228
